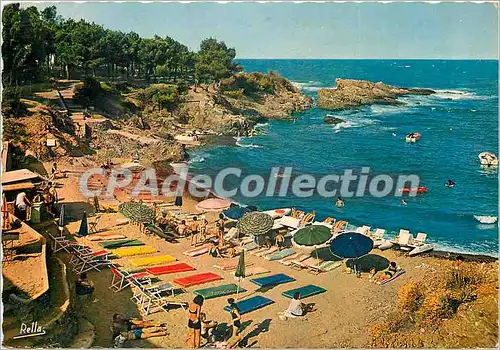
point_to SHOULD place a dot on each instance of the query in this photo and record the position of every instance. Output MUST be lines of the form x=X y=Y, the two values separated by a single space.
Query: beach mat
x=280 y=255
x=230 y=265
x=272 y=280
x=194 y=280
x=121 y=243
x=250 y=304
x=219 y=291
x=152 y=260
x=255 y=270
x=196 y=251
x=306 y=291
x=131 y=251
x=250 y=246
x=168 y=269
x=112 y=237
x=396 y=275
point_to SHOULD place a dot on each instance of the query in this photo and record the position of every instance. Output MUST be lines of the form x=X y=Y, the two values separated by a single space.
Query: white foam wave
x=384 y=109
x=239 y=144
x=309 y=86
x=261 y=125
x=458 y=95
x=200 y=158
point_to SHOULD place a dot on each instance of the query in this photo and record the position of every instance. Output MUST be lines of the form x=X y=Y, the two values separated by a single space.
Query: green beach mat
x=306 y=291
x=219 y=291
x=121 y=243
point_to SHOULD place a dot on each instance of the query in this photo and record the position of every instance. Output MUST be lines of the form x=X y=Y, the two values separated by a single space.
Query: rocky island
x=351 y=93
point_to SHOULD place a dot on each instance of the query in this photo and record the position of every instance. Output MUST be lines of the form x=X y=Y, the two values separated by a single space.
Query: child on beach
x=214 y=251
x=235 y=317
x=206 y=327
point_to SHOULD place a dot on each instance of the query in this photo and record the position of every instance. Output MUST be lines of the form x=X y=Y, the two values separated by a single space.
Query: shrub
x=409 y=297
x=11 y=100
x=87 y=94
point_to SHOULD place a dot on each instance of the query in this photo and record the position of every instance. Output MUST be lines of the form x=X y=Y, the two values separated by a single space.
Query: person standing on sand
x=182 y=228
x=194 y=321
x=203 y=229
x=235 y=317
x=194 y=228
x=23 y=204
x=220 y=229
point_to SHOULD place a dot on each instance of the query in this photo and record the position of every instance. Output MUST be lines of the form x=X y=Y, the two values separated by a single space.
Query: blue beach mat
x=251 y=304
x=280 y=255
x=272 y=280
x=306 y=291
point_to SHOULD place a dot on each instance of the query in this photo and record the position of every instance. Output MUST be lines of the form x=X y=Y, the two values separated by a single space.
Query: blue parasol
x=84 y=229
x=236 y=212
x=351 y=245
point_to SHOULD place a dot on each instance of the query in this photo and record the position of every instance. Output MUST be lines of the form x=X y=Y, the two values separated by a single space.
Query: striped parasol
x=137 y=212
x=255 y=223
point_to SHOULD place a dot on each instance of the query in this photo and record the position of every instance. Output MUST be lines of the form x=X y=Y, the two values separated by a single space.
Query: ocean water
x=456 y=124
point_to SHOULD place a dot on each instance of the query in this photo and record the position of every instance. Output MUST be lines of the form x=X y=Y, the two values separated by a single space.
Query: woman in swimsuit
x=220 y=230
x=235 y=316
x=194 y=322
x=387 y=274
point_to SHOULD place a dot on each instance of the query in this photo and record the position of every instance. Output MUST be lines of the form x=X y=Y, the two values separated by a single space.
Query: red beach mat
x=167 y=269
x=197 y=279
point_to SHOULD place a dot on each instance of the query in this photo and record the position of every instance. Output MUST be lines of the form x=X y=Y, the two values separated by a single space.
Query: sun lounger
x=121 y=243
x=232 y=233
x=246 y=240
x=306 y=291
x=272 y=280
x=290 y=257
x=289 y=221
x=169 y=269
x=194 y=280
x=277 y=213
x=396 y=275
x=268 y=251
x=153 y=260
x=112 y=237
x=197 y=251
x=280 y=255
x=219 y=291
x=226 y=265
x=297 y=261
x=308 y=218
x=122 y=279
x=250 y=246
x=259 y=251
x=131 y=251
x=306 y=263
x=251 y=304
x=83 y=259
x=420 y=239
x=325 y=266
x=255 y=270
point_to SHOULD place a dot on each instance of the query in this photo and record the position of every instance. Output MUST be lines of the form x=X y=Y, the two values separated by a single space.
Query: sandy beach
x=344 y=314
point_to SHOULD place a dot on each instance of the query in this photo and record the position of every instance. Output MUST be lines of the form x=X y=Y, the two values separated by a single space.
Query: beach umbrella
x=255 y=223
x=311 y=237
x=137 y=212
x=84 y=229
x=351 y=245
x=6 y=222
x=62 y=221
x=236 y=212
x=240 y=271
x=213 y=204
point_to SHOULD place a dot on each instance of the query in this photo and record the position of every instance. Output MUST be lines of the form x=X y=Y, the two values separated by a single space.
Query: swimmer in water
x=403 y=201
x=449 y=183
x=394 y=134
x=340 y=202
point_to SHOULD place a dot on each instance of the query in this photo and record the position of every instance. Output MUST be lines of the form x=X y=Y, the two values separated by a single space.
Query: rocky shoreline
x=351 y=93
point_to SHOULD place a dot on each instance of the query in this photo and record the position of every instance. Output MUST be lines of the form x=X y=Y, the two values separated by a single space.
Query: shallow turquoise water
x=456 y=124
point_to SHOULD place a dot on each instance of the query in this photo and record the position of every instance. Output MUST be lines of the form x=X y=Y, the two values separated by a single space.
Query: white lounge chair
x=420 y=239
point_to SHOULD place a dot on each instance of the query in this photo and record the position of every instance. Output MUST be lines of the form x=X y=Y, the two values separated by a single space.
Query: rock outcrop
x=333 y=120
x=351 y=93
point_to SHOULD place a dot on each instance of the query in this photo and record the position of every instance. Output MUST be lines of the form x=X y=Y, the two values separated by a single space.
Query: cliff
x=351 y=93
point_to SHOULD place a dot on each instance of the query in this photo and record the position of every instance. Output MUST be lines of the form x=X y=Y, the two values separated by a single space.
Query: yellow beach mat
x=153 y=260
x=130 y=251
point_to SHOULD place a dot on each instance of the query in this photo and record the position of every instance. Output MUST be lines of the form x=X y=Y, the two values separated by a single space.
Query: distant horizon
x=368 y=59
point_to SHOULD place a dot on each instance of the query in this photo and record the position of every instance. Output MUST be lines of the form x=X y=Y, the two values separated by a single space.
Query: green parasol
x=137 y=212
x=255 y=223
x=311 y=237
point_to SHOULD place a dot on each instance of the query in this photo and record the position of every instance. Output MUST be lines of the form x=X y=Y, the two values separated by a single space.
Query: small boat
x=421 y=249
x=488 y=158
x=418 y=190
x=413 y=137
x=386 y=245
x=484 y=219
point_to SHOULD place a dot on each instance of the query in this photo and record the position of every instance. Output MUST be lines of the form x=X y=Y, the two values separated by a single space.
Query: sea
x=457 y=123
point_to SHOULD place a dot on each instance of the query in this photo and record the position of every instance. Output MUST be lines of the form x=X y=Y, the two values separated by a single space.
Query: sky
x=311 y=30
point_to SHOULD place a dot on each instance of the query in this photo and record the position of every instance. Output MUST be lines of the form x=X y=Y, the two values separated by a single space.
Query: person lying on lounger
x=127 y=324
x=387 y=274
x=229 y=253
